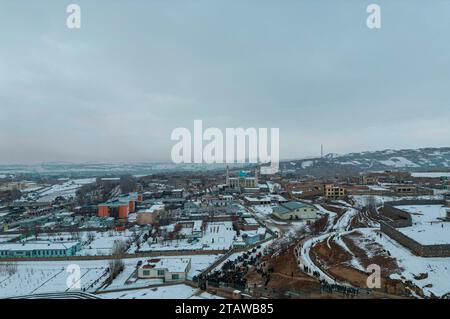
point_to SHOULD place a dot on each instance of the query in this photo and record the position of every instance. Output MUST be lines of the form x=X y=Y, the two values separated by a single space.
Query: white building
x=242 y=181
x=168 y=269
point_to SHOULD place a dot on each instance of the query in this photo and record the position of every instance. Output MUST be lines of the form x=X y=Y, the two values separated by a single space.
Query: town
x=229 y=232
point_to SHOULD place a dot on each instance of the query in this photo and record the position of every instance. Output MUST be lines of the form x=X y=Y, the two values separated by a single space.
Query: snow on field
x=127 y=278
x=361 y=200
x=52 y=276
x=427 y=229
x=217 y=236
x=164 y=292
x=438 y=269
x=67 y=189
x=101 y=244
x=331 y=216
x=40 y=277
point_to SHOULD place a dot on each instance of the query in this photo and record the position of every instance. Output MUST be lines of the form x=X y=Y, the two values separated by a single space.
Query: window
x=161 y=272
x=175 y=276
x=146 y=273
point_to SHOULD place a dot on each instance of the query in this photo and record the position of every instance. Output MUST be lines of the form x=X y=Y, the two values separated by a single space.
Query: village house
x=167 y=269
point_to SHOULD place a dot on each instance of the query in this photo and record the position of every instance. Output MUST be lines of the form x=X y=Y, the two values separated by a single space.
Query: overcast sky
x=116 y=88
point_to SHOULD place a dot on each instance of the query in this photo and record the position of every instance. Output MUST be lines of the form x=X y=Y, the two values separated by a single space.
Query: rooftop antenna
x=321 y=150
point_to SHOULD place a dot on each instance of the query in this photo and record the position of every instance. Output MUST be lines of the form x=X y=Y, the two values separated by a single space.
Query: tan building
x=334 y=191
x=150 y=215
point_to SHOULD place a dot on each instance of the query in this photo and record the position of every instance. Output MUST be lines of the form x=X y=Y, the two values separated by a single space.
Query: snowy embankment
x=305 y=259
x=44 y=277
x=437 y=269
x=331 y=217
x=344 y=222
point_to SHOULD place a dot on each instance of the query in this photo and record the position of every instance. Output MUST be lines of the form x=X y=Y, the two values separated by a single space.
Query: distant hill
x=423 y=159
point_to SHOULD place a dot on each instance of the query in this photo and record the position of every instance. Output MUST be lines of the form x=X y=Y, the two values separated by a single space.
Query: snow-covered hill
x=410 y=159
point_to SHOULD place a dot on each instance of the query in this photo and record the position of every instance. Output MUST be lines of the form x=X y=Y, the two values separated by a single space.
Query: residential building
x=242 y=180
x=149 y=216
x=167 y=269
x=119 y=207
x=334 y=191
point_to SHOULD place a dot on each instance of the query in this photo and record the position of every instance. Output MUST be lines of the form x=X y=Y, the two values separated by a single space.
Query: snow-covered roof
x=44 y=245
x=170 y=264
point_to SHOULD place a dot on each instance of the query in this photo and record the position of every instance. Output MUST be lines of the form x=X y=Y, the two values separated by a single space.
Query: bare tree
x=116 y=264
x=91 y=237
x=8 y=268
x=371 y=204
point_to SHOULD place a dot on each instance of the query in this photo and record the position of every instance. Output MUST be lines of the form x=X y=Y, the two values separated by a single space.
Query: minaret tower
x=228 y=177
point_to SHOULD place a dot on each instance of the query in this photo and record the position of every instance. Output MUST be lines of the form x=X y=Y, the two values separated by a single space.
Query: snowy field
x=361 y=200
x=43 y=277
x=438 y=269
x=165 y=292
x=101 y=244
x=217 y=236
x=66 y=189
x=127 y=278
x=428 y=227
x=52 y=276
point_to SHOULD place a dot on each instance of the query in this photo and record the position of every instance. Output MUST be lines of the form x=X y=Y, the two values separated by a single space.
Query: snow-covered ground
x=52 y=276
x=217 y=236
x=428 y=227
x=101 y=244
x=66 y=189
x=126 y=279
x=361 y=200
x=438 y=269
x=164 y=292
x=42 y=277
x=398 y=162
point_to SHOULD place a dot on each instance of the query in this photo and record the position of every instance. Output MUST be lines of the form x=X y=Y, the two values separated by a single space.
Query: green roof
x=290 y=206
x=295 y=205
